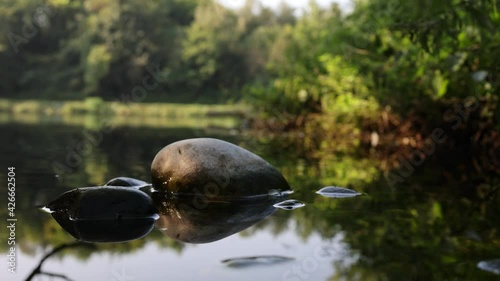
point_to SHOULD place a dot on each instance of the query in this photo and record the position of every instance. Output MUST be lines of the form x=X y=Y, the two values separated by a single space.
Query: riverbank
x=91 y=112
x=462 y=128
x=104 y=108
x=454 y=126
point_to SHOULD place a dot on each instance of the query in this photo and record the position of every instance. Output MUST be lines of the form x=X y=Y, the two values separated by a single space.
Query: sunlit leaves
x=58 y=3
x=440 y=84
x=96 y=67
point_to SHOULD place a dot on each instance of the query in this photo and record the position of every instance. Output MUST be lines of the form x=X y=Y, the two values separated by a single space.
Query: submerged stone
x=132 y=183
x=337 y=192
x=291 y=204
x=214 y=168
x=126 y=181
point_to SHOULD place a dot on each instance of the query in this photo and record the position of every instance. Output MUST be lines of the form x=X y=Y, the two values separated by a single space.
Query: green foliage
x=384 y=53
x=395 y=53
x=210 y=36
x=96 y=67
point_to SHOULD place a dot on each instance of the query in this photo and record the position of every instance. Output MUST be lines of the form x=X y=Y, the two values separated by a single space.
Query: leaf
x=440 y=83
x=337 y=192
x=436 y=211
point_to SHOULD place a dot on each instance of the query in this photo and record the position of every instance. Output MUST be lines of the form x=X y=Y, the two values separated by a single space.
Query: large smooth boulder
x=213 y=168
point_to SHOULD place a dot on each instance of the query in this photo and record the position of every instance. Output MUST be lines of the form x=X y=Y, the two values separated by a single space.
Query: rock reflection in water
x=121 y=213
x=201 y=220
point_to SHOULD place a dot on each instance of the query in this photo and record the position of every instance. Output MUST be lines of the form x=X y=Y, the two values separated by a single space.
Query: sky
x=294 y=3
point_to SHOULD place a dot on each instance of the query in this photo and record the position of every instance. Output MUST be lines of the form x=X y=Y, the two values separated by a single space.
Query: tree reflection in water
x=38 y=269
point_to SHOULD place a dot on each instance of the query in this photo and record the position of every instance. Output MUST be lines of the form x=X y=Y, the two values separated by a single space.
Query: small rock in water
x=256 y=260
x=337 y=192
x=289 y=204
x=125 y=181
x=492 y=266
x=132 y=183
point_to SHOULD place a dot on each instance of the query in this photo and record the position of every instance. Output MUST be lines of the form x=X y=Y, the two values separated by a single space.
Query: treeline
x=383 y=54
x=199 y=49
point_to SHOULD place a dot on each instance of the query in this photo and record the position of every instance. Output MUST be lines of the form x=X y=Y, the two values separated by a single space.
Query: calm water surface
x=436 y=225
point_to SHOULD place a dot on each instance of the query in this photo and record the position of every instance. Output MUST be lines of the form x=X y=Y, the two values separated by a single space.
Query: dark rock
x=126 y=181
x=104 y=213
x=214 y=168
